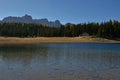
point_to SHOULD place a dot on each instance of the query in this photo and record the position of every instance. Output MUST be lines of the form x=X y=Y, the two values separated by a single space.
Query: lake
x=67 y=61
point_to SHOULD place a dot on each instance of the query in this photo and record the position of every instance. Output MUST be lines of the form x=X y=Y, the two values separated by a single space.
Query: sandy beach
x=38 y=40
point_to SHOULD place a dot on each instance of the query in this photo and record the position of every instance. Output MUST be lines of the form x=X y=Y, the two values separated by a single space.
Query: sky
x=73 y=11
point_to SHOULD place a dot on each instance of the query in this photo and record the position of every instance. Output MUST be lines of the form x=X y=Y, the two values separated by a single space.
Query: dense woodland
x=110 y=29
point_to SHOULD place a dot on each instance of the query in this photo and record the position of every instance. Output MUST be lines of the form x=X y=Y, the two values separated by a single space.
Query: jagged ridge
x=28 y=19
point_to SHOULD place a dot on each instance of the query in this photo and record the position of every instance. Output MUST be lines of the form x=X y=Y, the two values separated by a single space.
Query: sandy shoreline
x=38 y=40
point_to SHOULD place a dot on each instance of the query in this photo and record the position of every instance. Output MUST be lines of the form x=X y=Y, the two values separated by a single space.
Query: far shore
x=39 y=40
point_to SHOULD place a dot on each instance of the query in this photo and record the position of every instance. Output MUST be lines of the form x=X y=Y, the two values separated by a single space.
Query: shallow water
x=76 y=61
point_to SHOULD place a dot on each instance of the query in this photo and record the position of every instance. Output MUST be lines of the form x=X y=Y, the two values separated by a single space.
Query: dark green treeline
x=110 y=29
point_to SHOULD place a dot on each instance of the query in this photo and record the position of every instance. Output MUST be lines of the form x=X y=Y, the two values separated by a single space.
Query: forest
x=109 y=29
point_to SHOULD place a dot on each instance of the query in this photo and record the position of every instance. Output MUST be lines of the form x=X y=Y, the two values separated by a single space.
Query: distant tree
x=110 y=29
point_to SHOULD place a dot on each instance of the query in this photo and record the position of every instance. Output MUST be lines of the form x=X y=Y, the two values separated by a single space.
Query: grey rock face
x=28 y=19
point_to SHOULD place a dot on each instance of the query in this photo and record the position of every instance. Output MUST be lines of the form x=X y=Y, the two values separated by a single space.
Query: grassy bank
x=38 y=40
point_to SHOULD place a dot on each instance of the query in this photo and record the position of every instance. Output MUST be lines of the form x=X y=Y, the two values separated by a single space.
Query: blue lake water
x=73 y=61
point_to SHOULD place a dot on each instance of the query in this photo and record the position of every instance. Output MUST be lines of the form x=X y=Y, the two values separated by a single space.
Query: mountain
x=28 y=19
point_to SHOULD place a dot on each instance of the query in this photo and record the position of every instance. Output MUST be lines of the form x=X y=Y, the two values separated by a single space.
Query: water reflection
x=83 y=61
x=23 y=53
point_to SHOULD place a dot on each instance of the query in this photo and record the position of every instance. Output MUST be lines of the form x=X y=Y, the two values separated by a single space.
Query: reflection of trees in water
x=22 y=53
x=58 y=53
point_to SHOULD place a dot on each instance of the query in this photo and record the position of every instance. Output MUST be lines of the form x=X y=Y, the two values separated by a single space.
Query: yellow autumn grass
x=38 y=40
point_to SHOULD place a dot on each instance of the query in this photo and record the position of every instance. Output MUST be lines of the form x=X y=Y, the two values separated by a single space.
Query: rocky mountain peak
x=28 y=19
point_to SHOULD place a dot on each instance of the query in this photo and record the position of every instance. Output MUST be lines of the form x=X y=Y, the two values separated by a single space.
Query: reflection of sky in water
x=60 y=61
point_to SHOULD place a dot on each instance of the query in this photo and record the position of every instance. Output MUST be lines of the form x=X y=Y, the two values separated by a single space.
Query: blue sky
x=74 y=11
